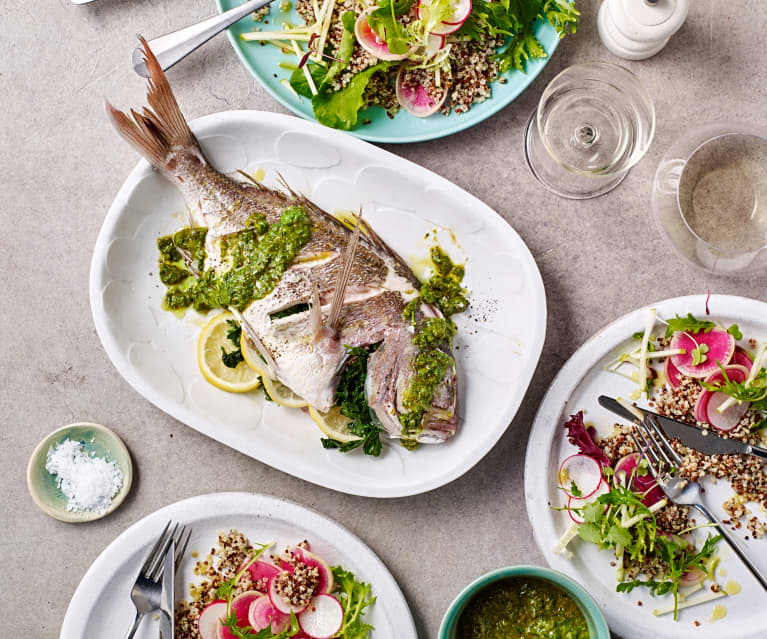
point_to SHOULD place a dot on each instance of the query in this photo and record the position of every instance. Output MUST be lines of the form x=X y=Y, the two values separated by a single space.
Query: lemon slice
x=213 y=336
x=334 y=424
x=280 y=394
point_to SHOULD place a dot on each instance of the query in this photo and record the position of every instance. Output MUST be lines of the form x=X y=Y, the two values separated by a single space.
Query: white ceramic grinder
x=638 y=29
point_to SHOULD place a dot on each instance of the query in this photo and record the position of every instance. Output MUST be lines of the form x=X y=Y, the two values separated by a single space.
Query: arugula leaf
x=657 y=588
x=355 y=597
x=574 y=490
x=689 y=324
x=759 y=426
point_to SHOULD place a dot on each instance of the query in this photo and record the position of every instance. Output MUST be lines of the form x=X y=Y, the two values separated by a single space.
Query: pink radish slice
x=263 y=614
x=369 y=40
x=721 y=346
x=278 y=601
x=736 y=373
x=584 y=471
x=673 y=376
x=322 y=618
x=640 y=483
x=210 y=619
x=692 y=577
x=741 y=358
x=241 y=608
x=261 y=572
x=435 y=44
x=701 y=406
x=460 y=12
x=414 y=98
x=730 y=418
x=575 y=502
x=312 y=561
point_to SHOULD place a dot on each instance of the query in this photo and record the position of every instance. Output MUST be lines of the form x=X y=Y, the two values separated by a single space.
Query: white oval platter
x=577 y=387
x=101 y=605
x=498 y=344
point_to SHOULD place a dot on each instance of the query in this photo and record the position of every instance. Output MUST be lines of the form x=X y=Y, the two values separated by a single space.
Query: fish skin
x=379 y=284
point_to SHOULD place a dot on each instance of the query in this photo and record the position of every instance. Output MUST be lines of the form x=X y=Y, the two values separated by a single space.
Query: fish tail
x=160 y=128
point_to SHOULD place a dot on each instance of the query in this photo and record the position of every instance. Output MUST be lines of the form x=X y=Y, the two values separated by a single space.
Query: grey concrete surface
x=62 y=164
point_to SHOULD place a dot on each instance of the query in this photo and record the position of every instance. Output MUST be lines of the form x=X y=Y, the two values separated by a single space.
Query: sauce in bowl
x=522 y=608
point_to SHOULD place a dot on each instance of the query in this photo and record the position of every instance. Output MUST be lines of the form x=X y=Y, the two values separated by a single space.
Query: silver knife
x=705 y=441
x=167 y=599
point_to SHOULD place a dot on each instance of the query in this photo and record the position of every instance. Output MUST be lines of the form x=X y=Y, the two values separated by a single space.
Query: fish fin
x=158 y=129
x=315 y=317
x=383 y=246
x=252 y=182
x=343 y=276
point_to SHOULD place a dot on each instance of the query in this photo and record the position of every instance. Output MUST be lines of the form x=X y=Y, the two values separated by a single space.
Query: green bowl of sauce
x=523 y=602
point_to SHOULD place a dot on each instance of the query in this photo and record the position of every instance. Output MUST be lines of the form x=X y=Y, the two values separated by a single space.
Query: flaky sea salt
x=87 y=481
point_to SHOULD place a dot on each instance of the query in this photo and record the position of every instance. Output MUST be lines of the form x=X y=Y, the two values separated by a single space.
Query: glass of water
x=709 y=197
x=594 y=122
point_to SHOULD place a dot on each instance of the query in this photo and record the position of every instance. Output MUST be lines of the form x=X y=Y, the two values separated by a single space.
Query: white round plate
x=576 y=387
x=498 y=342
x=101 y=605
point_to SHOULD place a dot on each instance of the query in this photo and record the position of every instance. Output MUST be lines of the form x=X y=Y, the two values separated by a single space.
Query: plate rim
x=558 y=394
x=186 y=416
x=250 y=501
x=529 y=77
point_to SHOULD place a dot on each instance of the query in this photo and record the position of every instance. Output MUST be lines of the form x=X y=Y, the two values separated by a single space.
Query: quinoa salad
x=251 y=592
x=700 y=372
x=424 y=56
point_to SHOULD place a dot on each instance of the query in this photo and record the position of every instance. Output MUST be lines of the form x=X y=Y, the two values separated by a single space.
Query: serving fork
x=662 y=459
x=147 y=591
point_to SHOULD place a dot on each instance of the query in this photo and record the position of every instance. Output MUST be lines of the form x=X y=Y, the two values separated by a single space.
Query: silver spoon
x=172 y=47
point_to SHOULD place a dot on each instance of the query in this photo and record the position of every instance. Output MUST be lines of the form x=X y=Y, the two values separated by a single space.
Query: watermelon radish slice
x=261 y=572
x=241 y=608
x=326 y=583
x=730 y=418
x=640 y=483
x=322 y=618
x=369 y=40
x=575 y=502
x=693 y=576
x=741 y=358
x=414 y=97
x=736 y=373
x=263 y=614
x=583 y=471
x=673 y=376
x=278 y=601
x=721 y=346
x=210 y=619
x=701 y=406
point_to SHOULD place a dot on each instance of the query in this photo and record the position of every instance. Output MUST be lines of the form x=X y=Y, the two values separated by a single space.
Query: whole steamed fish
x=304 y=286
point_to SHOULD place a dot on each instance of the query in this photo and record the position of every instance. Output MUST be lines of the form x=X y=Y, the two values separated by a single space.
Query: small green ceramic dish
x=95 y=438
x=598 y=628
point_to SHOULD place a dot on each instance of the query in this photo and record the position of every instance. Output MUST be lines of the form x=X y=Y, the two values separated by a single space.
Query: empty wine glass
x=709 y=197
x=594 y=122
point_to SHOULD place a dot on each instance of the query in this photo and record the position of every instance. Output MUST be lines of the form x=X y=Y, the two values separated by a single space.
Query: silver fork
x=147 y=590
x=660 y=455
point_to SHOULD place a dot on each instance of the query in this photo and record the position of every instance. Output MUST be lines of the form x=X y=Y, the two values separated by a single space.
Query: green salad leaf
x=689 y=324
x=383 y=21
x=355 y=597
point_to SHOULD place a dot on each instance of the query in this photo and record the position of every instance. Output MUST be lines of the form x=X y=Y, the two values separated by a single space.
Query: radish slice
x=673 y=376
x=645 y=484
x=278 y=601
x=414 y=97
x=741 y=358
x=730 y=418
x=241 y=608
x=721 y=346
x=210 y=619
x=701 y=406
x=263 y=614
x=736 y=373
x=692 y=577
x=584 y=471
x=435 y=44
x=460 y=10
x=575 y=502
x=322 y=618
x=369 y=40
x=261 y=572
x=312 y=561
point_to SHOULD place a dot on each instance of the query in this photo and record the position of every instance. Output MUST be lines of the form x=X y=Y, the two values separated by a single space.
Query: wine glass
x=709 y=197
x=594 y=122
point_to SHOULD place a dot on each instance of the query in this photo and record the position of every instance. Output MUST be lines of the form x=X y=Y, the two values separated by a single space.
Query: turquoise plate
x=263 y=60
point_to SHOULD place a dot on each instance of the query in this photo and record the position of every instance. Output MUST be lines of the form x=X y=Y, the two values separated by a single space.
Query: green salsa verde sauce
x=443 y=289
x=257 y=255
x=522 y=608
